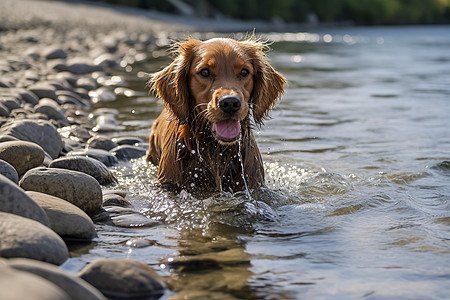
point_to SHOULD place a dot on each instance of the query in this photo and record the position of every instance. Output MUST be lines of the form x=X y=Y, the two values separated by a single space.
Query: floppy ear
x=172 y=83
x=268 y=86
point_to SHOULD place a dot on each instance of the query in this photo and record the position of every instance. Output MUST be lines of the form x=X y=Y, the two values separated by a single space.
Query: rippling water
x=357 y=162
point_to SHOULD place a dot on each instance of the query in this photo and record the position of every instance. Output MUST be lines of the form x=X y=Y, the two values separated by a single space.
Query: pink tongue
x=228 y=129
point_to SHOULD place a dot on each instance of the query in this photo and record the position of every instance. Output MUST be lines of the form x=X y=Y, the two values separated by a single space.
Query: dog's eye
x=244 y=73
x=205 y=73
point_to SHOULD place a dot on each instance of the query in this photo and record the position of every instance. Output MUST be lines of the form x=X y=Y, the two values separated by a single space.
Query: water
x=356 y=158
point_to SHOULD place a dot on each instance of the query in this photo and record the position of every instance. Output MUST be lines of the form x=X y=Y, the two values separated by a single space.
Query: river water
x=357 y=161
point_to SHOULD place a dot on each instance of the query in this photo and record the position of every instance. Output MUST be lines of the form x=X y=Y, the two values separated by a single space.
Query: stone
x=52 y=112
x=54 y=52
x=78 y=188
x=10 y=102
x=115 y=200
x=75 y=131
x=77 y=66
x=74 y=286
x=43 y=90
x=127 y=152
x=14 y=200
x=128 y=140
x=22 y=237
x=127 y=277
x=101 y=155
x=19 y=285
x=87 y=165
x=100 y=142
x=40 y=132
x=4 y=111
x=8 y=171
x=123 y=217
x=67 y=220
x=22 y=155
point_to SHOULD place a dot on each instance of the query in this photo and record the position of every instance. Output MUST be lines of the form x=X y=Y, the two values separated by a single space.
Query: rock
x=107 y=60
x=101 y=142
x=22 y=237
x=23 y=156
x=128 y=140
x=52 y=111
x=19 y=285
x=115 y=200
x=65 y=219
x=127 y=277
x=87 y=83
x=40 y=132
x=14 y=200
x=4 y=111
x=74 y=286
x=43 y=90
x=54 y=52
x=75 y=131
x=101 y=155
x=8 y=171
x=77 y=66
x=87 y=165
x=127 y=152
x=123 y=217
x=10 y=102
x=78 y=188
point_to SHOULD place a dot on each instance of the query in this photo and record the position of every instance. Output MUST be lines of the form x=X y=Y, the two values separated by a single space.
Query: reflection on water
x=356 y=159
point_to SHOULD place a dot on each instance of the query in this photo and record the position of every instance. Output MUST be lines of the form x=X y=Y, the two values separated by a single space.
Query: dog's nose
x=229 y=104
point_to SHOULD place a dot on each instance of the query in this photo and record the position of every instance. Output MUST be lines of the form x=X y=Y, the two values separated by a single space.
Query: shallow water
x=356 y=158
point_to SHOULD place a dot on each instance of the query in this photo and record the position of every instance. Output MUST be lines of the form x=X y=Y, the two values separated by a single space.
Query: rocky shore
x=57 y=60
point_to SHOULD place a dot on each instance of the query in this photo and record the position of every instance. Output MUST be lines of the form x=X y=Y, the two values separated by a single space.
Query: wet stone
x=123 y=217
x=22 y=155
x=87 y=165
x=43 y=90
x=8 y=171
x=115 y=200
x=74 y=131
x=67 y=220
x=4 y=111
x=100 y=142
x=52 y=112
x=101 y=155
x=77 y=288
x=127 y=277
x=10 y=102
x=15 y=201
x=127 y=152
x=54 y=52
x=128 y=140
x=22 y=237
x=78 y=188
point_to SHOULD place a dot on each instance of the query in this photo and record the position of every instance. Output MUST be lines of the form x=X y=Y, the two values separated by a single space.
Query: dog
x=214 y=92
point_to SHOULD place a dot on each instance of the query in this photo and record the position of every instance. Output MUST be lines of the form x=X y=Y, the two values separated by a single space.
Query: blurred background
x=360 y=12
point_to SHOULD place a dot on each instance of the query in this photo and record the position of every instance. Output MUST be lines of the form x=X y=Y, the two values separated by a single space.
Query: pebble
x=127 y=277
x=43 y=90
x=19 y=285
x=77 y=132
x=4 y=111
x=123 y=217
x=128 y=140
x=67 y=220
x=74 y=286
x=100 y=142
x=87 y=165
x=15 y=201
x=8 y=171
x=78 y=188
x=101 y=155
x=54 y=52
x=22 y=237
x=40 y=132
x=127 y=152
x=115 y=200
x=23 y=156
x=52 y=111
x=77 y=65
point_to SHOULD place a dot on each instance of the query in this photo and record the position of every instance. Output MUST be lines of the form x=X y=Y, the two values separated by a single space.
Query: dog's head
x=220 y=80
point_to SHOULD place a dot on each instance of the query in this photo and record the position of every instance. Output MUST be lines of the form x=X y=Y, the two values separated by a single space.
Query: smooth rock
x=52 y=112
x=128 y=140
x=4 y=111
x=73 y=285
x=65 y=219
x=77 y=66
x=122 y=217
x=10 y=102
x=40 y=132
x=100 y=142
x=127 y=152
x=22 y=237
x=54 y=52
x=19 y=285
x=87 y=165
x=115 y=200
x=101 y=155
x=15 y=201
x=75 y=131
x=43 y=90
x=23 y=156
x=78 y=188
x=8 y=171
x=127 y=277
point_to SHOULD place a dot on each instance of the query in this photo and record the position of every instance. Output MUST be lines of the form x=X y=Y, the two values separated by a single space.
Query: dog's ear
x=268 y=83
x=172 y=83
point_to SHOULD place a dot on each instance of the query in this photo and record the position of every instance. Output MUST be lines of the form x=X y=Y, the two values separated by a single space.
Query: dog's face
x=219 y=80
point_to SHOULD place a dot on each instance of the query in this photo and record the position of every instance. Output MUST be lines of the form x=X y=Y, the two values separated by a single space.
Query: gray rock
x=4 y=111
x=10 y=102
x=54 y=52
x=23 y=156
x=74 y=286
x=123 y=217
x=101 y=142
x=43 y=90
x=87 y=83
x=87 y=165
x=128 y=140
x=77 y=66
x=19 y=285
x=22 y=237
x=75 y=131
x=127 y=277
x=127 y=152
x=8 y=171
x=115 y=200
x=78 y=188
x=40 y=132
x=14 y=200
x=52 y=112
x=65 y=219
x=101 y=155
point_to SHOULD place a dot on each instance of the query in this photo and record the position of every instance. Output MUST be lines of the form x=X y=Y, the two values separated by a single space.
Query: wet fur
x=182 y=144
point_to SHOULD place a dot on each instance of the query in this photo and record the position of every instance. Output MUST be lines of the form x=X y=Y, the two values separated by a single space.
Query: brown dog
x=212 y=91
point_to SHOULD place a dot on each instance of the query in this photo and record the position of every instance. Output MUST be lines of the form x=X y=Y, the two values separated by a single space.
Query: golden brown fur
x=213 y=91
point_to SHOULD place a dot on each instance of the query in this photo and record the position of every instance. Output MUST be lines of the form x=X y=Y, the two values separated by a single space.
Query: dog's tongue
x=228 y=129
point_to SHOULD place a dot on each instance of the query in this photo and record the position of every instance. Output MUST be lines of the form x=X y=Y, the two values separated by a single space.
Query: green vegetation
x=368 y=12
